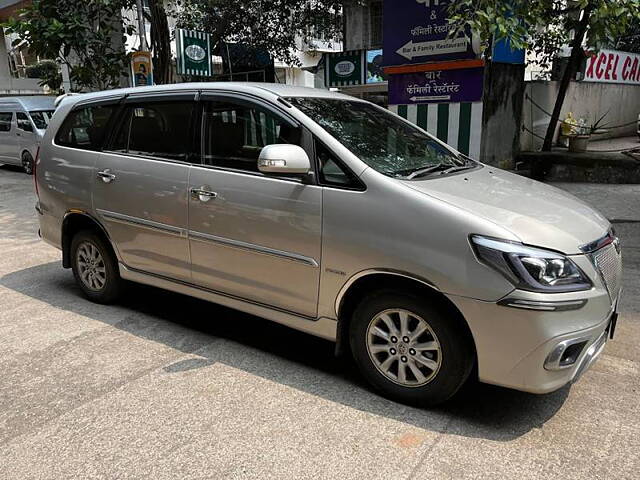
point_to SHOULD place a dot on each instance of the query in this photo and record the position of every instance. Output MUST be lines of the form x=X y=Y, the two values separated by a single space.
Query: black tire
x=106 y=291
x=455 y=356
x=27 y=163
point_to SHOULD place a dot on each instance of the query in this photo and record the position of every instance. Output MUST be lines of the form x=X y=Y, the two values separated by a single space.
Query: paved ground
x=164 y=386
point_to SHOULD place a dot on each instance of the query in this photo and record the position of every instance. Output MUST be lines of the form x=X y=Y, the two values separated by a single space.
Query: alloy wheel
x=91 y=267
x=403 y=347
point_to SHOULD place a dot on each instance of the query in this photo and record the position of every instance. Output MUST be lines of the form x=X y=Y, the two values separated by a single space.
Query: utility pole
x=141 y=30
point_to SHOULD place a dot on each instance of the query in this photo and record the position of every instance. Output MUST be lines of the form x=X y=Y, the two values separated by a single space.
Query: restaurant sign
x=611 y=66
x=344 y=68
x=436 y=86
x=418 y=31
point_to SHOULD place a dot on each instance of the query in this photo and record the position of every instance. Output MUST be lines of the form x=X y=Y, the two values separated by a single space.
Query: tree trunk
x=160 y=43
x=569 y=72
x=502 y=113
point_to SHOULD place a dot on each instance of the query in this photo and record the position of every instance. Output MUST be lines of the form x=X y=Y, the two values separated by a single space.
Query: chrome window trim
x=141 y=222
x=140 y=156
x=228 y=242
x=297 y=180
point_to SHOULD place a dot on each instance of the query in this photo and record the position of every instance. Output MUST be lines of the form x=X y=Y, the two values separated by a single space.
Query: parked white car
x=331 y=215
x=23 y=121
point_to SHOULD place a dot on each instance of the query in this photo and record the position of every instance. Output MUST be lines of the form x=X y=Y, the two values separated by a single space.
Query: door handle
x=203 y=194
x=106 y=175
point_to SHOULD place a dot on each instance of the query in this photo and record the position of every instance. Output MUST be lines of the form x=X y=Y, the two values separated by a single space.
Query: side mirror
x=283 y=159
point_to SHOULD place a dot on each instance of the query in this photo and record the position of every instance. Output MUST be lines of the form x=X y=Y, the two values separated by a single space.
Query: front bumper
x=513 y=344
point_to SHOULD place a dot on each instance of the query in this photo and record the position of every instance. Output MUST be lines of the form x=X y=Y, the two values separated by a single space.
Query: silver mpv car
x=333 y=216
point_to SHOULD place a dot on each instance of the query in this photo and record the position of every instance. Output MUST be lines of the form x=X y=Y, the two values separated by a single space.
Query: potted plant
x=579 y=141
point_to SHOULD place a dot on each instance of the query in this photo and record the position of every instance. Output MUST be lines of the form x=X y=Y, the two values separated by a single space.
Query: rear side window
x=85 y=128
x=5 y=121
x=160 y=129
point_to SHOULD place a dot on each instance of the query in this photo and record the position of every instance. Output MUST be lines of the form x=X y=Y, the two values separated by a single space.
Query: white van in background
x=23 y=121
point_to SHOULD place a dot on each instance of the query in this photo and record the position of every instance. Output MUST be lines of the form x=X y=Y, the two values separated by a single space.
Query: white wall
x=584 y=100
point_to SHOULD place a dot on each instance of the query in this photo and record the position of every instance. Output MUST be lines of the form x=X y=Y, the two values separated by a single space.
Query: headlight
x=530 y=268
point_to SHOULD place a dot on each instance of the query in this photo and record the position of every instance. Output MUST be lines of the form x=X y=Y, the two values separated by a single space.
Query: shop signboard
x=193 y=50
x=141 y=68
x=436 y=86
x=612 y=66
x=345 y=68
x=417 y=31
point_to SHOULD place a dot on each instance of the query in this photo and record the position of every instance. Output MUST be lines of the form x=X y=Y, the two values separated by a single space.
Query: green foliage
x=48 y=72
x=630 y=41
x=88 y=36
x=270 y=25
x=544 y=26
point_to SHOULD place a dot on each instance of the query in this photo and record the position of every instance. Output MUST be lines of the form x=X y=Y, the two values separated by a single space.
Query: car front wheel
x=27 y=163
x=408 y=349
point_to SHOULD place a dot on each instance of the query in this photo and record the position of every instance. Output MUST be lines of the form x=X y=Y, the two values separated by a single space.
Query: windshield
x=380 y=139
x=41 y=118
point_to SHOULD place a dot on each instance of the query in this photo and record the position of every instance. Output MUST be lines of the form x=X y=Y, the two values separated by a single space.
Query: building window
x=375 y=24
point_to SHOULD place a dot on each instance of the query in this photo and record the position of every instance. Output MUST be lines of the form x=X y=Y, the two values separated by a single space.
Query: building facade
x=13 y=79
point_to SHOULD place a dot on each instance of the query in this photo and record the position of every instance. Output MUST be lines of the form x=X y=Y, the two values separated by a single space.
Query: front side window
x=381 y=140
x=41 y=118
x=161 y=129
x=236 y=132
x=332 y=171
x=24 y=123
x=85 y=128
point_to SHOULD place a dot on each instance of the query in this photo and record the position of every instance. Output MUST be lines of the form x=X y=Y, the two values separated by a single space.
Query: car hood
x=537 y=213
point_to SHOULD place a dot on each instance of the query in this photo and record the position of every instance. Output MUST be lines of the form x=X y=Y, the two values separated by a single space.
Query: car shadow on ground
x=217 y=334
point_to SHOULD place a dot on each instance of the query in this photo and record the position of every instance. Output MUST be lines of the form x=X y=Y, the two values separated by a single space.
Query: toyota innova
x=335 y=217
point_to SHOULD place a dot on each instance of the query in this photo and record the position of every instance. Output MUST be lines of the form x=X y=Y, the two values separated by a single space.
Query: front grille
x=608 y=261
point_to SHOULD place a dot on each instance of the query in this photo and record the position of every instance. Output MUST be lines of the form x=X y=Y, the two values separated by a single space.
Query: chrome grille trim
x=608 y=262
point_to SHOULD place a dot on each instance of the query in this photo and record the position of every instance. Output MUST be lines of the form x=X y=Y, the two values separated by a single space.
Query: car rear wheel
x=27 y=163
x=95 y=268
x=411 y=351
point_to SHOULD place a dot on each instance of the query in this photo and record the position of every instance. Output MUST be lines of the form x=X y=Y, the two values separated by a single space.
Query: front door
x=253 y=236
x=141 y=181
x=27 y=137
x=8 y=138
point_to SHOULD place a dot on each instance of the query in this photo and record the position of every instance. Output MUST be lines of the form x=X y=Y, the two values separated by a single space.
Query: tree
x=544 y=26
x=268 y=25
x=86 y=36
x=48 y=72
x=630 y=41
x=160 y=42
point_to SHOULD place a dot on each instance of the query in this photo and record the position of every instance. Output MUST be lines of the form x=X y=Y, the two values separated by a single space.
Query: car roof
x=31 y=102
x=265 y=90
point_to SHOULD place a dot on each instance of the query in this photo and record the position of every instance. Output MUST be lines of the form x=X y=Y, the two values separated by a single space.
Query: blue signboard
x=504 y=53
x=417 y=31
x=438 y=86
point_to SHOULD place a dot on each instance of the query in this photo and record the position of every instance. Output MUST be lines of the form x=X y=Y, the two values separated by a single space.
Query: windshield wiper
x=457 y=168
x=427 y=170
